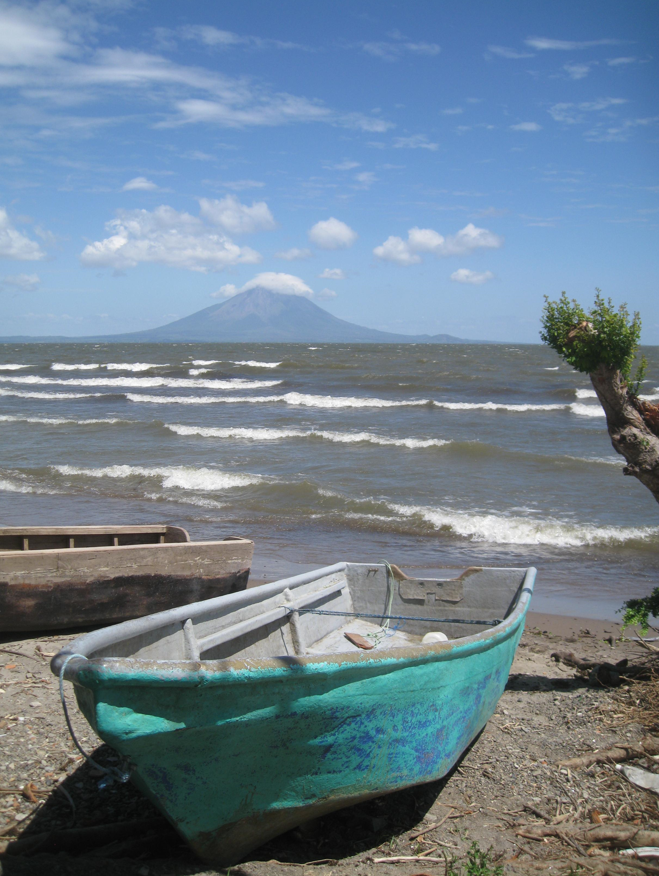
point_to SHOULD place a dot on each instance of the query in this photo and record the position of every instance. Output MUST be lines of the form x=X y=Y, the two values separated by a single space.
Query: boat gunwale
x=112 y=671
x=120 y=547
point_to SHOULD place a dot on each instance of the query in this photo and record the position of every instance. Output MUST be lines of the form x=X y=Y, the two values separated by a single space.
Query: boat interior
x=49 y=538
x=343 y=608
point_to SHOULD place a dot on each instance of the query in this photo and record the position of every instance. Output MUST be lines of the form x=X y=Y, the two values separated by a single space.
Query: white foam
x=147 y=382
x=328 y=401
x=12 y=366
x=496 y=406
x=555 y=368
x=62 y=366
x=587 y=410
x=585 y=393
x=253 y=364
x=60 y=421
x=11 y=487
x=183 y=477
x=134 y=366
x=205 y=361
x=650 y=396
x=279 y=434
x=195 y=372
x=602 y=460
x=51 y=396
x=498 y=529
x=291 y=398
x=199 y=501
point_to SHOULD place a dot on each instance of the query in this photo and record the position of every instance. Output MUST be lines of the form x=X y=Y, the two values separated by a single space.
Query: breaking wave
x=11 y=366
x=147 y=382
x=51 y=396
x=585 y=393
x=524 y=530
x=183 y=477
x=279 y=434
x=587 y=410
x=253 y=364
x=61 y=421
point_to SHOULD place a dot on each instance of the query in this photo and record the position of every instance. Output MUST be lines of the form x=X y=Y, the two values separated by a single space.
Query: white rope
x=112 y=773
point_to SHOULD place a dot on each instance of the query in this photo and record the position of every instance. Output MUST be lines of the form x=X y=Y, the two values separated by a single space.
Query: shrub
x=603 y=336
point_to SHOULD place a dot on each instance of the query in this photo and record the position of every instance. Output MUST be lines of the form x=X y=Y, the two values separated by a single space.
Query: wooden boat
x=246 y=715
x=52 y=577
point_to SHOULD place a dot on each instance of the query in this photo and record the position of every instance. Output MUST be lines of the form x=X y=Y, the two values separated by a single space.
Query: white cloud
x=392 y=51
x=139 y=184
x=618 y=62
x=236 y=218
x=326 y=294
x=417 y=141
x=365 y=179
x=474 y=278
x=294 y=254
x=286 y=284
x=240 y=185
x=25 y=282
x=573 y=113
x=526 y=126
x=542 y=43
x=167 y=237
x=426 y=240
x=332 y=234
x=332 y=274
x=24 y=40
x=454 y=111
x=395 y=249
x=16 y=245
x=47 y=52
x=216 y=38
x=344 y=165
x=505 y=52
x=578 y=71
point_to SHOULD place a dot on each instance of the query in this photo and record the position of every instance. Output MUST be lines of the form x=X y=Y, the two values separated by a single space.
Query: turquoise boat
x=246 y=715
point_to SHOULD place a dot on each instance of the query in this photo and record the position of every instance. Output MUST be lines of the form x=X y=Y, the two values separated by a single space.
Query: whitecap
x=555 y=368
x=50 y=396
x=63 y=366
x=587 y=410
x=147 y=382
x=499 y=529
x=279 y=434
x=61 y=421
x=585 y=393
x=183 y=477
x=195 y=372
x=496 y=406
x=12 y=487
x=205 y=361
x=12 y=366
x=602 y=460
x=134 y=366
x=253 y=364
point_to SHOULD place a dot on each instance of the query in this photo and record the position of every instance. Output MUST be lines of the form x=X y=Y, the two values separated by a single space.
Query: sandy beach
x=508 y=782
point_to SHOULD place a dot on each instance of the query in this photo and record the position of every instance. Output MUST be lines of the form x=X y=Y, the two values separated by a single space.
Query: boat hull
x=97 y=586
x=234 y=758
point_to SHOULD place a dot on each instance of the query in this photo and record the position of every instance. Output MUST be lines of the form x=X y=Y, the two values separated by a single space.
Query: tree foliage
x=602 y=336
x=638 y=611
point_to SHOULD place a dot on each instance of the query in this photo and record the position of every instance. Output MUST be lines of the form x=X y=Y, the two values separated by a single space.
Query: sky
x=416 y=167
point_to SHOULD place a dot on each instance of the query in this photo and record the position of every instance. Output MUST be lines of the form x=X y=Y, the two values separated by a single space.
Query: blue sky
x=413 y=167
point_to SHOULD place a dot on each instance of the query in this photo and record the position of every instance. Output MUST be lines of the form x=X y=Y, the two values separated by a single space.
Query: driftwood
x=600 y=672
x=80 y=839
x=614 y=835
x=649 y=745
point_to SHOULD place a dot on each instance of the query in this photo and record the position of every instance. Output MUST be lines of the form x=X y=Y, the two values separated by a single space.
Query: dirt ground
x=508 y=780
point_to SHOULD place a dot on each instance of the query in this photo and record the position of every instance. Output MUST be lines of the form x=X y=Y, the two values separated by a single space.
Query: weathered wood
x=649 y=745
x=51 y=589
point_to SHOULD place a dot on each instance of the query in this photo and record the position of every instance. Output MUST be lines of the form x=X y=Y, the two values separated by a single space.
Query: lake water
x=426 y=456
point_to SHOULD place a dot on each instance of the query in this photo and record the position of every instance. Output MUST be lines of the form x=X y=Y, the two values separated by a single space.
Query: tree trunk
x=629 y=423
